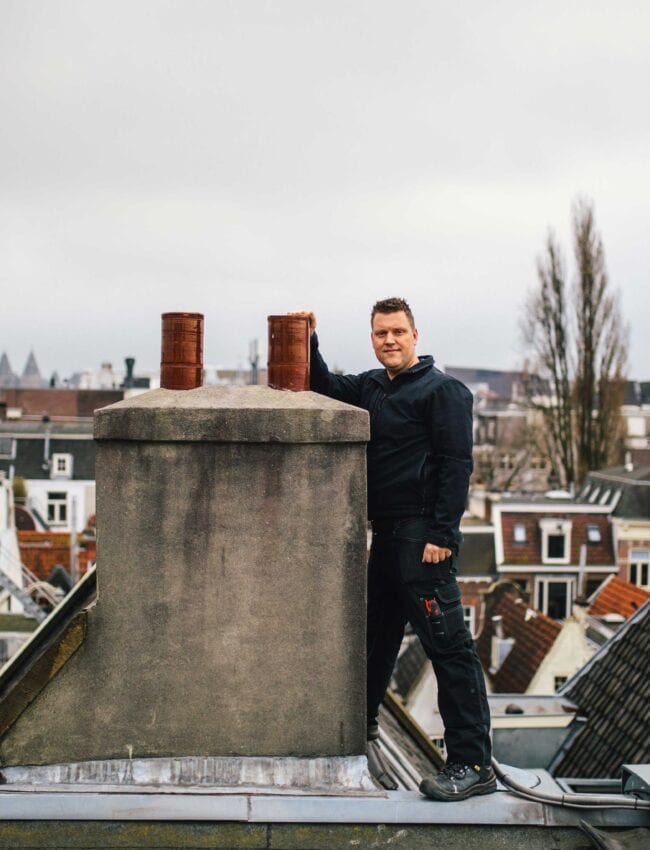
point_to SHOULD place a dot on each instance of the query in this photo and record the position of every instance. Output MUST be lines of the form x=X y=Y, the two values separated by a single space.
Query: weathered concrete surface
x=231 y=579
x=342 y=774
x=82 y=835
x=232 y=414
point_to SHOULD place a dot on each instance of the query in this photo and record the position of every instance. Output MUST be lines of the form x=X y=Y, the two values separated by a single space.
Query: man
x=419 y=464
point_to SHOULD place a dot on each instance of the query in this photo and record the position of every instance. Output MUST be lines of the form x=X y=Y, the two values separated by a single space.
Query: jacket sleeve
x=345 y=388
x=451 y=427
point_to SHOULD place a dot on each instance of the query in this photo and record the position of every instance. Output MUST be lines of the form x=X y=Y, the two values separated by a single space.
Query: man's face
x=393 y=340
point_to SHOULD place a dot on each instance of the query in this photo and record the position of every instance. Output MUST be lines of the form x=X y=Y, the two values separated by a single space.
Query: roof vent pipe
x=181 y=359
x=629 y=466
x=288 y=359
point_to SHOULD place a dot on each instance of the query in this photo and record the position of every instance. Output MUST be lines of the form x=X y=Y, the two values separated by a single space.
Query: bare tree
x=577 y=354
x=547 y=375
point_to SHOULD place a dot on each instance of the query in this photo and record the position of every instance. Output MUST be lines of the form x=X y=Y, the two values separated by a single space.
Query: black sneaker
x=372 y=732
x=459 y=781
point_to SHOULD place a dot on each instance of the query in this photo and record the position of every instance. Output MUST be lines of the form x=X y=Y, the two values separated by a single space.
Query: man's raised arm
x=345 y=388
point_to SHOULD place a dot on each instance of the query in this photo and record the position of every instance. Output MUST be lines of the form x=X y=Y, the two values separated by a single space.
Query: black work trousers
x=402 y=588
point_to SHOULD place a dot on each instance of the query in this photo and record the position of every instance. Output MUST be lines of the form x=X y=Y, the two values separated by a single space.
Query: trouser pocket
x=443 y=614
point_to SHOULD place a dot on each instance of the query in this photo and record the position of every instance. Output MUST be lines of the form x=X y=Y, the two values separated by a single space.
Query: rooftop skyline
x=243 y=159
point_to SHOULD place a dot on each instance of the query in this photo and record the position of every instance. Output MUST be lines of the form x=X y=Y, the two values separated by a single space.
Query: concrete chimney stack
x=227 y=644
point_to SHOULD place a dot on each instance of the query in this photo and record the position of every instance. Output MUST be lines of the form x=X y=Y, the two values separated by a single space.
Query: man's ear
x=415 y=334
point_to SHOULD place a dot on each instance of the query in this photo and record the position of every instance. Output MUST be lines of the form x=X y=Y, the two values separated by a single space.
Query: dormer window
x=593 y=533
x=519 y=532
x=61 y=466
x=556 y=541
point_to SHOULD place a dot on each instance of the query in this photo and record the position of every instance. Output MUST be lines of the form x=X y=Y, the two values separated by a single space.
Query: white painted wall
x=9 y=551
x=567 y=655
x=82 y=491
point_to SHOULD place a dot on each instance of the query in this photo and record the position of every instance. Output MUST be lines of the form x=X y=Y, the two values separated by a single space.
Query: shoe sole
x=473 y=791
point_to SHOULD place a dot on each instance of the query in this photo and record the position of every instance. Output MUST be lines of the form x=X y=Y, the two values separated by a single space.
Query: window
x=594 y=495
x=506 y=462
x=519 y=532
x=57 y=508
x=469 y=614
x=538 y=462
x=61 y=466
x=639 y=567
x=556 y=541
x=558 y=682
x=605 y=497
x=593 y=533
x=554 y=596
x=7 y=448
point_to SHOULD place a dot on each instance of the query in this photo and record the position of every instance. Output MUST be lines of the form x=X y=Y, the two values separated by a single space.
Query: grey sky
x=245 y=158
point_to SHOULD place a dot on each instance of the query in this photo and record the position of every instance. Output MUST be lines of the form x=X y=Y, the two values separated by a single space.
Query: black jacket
x=420 y=450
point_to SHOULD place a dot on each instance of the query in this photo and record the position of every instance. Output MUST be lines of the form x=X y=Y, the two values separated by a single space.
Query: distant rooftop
x=615 y=596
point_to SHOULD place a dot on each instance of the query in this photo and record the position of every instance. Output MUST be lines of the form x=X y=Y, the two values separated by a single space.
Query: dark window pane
x=556 y=545
x=557 y=599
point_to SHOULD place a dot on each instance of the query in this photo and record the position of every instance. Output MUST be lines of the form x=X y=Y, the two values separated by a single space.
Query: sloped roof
x=31 y=376
x=7 y=376
x=534 y=634
x=408 y=667
x=499 y=381
x=613 y=691
x=28 y=462
x=616 y=596
x=634 y=487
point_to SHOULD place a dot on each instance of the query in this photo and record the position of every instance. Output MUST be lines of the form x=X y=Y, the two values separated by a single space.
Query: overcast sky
x=245 y=158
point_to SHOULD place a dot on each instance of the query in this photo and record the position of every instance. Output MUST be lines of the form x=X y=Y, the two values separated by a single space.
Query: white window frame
x=639 y=558
x=552 y=528
x=61 y=465
x=469 y=616
x=543 y=583
x=57 y=504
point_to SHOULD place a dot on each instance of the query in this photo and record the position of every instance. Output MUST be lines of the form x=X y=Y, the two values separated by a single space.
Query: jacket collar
x=424 y=364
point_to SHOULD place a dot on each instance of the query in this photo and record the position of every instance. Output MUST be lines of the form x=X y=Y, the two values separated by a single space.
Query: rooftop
x=534 y=634
x=613 y=691
x=616 y=596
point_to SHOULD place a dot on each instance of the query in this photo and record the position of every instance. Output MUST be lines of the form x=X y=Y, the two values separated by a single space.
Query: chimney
x=288 y=360
x=181 y=358
x=129 y=362
x=227 y=643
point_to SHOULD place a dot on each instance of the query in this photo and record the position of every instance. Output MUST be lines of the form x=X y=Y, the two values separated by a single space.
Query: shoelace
x=456 y=771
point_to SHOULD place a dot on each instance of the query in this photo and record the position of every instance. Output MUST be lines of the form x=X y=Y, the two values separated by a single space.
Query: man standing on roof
x=419 y=464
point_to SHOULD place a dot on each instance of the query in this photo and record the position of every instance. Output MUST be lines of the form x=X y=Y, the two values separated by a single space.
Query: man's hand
x=306 y=314
x=435 y=554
